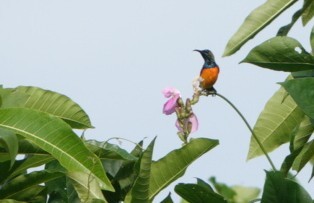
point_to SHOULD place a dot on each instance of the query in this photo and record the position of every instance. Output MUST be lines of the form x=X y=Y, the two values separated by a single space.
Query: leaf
x=72 y=195
x=56 y=104
x=57 y=138
x=304 y=156
x=302 y=93
x=60 y=189
x=278 y=189
x=312 y=174
x=312 y=40
x=31 y=194
x=167 y=199
x=227 y=192
x=204 y=184
x=288 y=161
x=20 y=166
x=20 y=184
x=255 y=22
x=303 y=133
x=11 y=201
x=126 y=175
x=303 y=74
x=29 y=148
x=11 y=98
x=283 y=31
x=140 y=190
x=308 y=11
x=105 y=150
x=86 y=187
x=173 y=165
x=194 y=193
x=6 y=169
x=275 y=123
x=245 y=194
x=31 y=162
x=299 y=137
x=9 y=141
x=281 y=54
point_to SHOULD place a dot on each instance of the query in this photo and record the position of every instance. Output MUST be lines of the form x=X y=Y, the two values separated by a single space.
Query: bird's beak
x=201 y=52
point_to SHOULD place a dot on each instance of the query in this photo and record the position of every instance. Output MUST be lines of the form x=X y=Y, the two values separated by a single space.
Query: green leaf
x=194 y=193
x=302 y=93
x=11 y=201
x=275 y=123
x=140 y=190
x=281 y=54
x=255 y=22
x=31 y=162
x=245 y=194
x=167 y=199
x=303 y=133
x=6 y=170
x=126 y=175
x=304 y=156
x=57 y=189
x=308 y=11
x=72 y=195
x=227 y=192
x=312 y=174
x=288 y=161
x=16 y=188
x=299 y=137
x=57 y=138
x=29 y=148
x=303 y=74
x=56 y=104
x=204 y=184
x=278 y=189
x=173 y=165
x=11 y=98
x=312 y=40
x=283 y=31
x=34 y=194
x=86 y=187
x=9 y=141
x=105 y=150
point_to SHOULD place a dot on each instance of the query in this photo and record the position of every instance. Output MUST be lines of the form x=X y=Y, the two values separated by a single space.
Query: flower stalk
x=247 y=125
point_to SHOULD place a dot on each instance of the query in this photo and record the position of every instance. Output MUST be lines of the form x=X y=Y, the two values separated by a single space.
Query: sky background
x=115 y=57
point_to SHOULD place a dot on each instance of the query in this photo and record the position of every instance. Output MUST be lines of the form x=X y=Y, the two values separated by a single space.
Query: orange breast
x=209 y=76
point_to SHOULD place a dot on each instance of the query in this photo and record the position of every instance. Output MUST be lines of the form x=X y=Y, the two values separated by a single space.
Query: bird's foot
x=212 y=91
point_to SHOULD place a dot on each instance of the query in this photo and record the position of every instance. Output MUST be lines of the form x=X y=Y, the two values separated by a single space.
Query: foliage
x=288 y=116
x=204 y=192
x=75 y=169
x=59 y=166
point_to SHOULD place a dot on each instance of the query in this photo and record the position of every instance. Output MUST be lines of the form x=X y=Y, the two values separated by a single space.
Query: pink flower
x=173 y=94
x=193 y=120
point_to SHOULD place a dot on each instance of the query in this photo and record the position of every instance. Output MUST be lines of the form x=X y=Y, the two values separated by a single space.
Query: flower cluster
x=186 y=120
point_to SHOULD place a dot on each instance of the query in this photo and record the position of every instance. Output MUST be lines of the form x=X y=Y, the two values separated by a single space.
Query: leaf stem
x=120 y=138
x=249 y=127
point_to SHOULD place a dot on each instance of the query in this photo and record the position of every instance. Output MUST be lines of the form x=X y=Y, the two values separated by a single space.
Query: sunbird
x=209 y=72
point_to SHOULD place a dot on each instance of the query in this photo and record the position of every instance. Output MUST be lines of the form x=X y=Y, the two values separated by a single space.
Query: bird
x=209 y=72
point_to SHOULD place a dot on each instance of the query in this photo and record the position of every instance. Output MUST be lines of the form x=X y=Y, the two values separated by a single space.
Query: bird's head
x=206 y=54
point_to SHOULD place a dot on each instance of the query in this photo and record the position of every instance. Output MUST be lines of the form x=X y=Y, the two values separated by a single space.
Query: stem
x=249 y=127
x=120 y=138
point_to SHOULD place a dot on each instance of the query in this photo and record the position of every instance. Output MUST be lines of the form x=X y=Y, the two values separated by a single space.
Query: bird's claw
x=207 y=92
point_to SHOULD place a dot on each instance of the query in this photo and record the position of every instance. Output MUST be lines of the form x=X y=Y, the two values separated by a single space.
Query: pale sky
x=115 y=57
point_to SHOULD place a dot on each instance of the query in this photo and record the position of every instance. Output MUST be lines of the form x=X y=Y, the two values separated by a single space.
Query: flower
x=173 y=94
x=192 y=120
x=196 y=83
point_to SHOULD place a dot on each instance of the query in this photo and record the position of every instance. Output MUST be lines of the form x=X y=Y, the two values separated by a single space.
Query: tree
x=39 y=131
